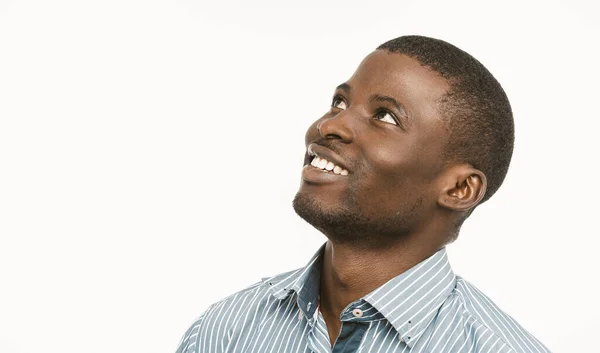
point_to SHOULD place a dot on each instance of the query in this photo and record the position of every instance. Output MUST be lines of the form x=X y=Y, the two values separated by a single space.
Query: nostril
x=336 y=128
x=329 y=135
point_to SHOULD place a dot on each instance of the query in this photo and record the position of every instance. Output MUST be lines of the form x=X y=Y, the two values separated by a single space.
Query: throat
x=348 y=273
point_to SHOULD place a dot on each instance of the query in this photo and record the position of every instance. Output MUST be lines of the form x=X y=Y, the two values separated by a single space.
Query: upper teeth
x=326 y=165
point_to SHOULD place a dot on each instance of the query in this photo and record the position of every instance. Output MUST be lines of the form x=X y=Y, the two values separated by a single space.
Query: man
x=418 y=137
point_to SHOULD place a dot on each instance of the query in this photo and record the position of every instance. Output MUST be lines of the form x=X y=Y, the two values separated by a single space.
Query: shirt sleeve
x=190 y=341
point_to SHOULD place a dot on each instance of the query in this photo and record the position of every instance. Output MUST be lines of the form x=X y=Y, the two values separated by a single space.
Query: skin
x=400 y=201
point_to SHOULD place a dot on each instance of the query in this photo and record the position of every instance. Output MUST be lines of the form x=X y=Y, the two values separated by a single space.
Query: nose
x=337 y=127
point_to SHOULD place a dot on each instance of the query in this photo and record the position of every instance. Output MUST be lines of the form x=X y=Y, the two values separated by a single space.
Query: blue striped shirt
x=425 y=309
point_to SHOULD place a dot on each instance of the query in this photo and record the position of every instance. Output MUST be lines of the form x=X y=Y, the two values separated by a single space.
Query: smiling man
x=419 y=136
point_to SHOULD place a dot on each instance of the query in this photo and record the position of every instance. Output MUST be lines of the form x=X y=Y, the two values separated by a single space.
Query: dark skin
x=385 y=128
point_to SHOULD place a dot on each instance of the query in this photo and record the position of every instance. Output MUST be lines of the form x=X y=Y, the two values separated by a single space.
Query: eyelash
x=384 y=111
x=338 y=98
x=335 y=99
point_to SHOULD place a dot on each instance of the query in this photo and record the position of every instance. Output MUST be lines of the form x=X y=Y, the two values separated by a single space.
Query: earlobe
x=464 y=189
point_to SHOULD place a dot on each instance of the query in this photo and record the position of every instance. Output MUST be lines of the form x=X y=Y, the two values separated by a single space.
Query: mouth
x=324 y=161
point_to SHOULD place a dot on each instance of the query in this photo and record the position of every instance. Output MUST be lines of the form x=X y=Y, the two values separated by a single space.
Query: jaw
x=339 y=224
x=322 y=210
x=344 y=217
x=328 y=194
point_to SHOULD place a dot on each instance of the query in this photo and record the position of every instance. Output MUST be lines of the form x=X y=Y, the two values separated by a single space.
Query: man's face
x=385 y=135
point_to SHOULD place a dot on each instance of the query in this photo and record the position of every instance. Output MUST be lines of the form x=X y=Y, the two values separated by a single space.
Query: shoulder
x=213 y=329
x=487 y=323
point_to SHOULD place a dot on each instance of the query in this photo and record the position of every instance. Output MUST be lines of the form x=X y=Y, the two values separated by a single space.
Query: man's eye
x=386 y=116
x=338 y=103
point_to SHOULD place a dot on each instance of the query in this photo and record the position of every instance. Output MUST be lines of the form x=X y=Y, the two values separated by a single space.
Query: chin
x=316 y=213
x=346 y=223
x=342 y=224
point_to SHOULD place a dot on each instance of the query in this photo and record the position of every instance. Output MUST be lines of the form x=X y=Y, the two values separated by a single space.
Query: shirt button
x=357 y=313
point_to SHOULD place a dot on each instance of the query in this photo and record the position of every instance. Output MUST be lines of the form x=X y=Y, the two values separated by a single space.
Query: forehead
x=401 y=77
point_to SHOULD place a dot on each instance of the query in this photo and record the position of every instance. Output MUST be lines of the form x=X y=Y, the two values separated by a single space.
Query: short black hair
x=476 y=109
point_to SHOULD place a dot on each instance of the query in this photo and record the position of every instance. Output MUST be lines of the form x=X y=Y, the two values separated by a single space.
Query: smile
x=327 y=166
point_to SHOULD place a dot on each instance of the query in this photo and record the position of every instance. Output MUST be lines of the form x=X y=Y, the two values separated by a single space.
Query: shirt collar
x=409 y=301
x=305 y=282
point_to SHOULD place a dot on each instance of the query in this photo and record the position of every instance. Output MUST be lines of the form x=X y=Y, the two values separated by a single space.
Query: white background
x=150 y=151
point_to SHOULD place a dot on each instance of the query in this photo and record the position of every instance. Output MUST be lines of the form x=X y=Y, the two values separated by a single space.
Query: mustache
x=330 y=144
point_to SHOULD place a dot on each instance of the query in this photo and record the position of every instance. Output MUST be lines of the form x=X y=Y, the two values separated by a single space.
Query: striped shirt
x=425 y=309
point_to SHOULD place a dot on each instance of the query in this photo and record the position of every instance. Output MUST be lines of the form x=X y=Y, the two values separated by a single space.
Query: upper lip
x=324 y=152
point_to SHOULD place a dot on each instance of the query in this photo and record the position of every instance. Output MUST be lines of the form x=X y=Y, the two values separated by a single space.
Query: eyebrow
x=377 y=98
x=380 y=98
x=395 y=103
x=344 y=87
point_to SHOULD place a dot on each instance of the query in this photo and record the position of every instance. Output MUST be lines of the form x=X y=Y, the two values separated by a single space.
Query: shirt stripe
x=425 y=309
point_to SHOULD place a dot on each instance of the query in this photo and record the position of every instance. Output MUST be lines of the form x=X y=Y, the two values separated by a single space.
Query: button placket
x=350 y=337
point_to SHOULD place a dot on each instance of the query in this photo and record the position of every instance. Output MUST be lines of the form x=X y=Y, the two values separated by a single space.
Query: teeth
x=322 y=163
x=327 y=166
x=315 y=161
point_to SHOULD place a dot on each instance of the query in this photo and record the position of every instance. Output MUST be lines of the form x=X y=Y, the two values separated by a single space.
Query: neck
x=350 y=272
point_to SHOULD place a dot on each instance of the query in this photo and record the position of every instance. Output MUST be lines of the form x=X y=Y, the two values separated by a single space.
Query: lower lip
x=314 y=175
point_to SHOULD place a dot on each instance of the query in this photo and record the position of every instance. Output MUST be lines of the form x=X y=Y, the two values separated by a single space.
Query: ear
x=463 y=188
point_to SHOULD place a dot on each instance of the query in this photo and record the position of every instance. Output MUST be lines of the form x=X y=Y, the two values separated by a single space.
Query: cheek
x=392 y=180
x=392 y=163
x=395 y=177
